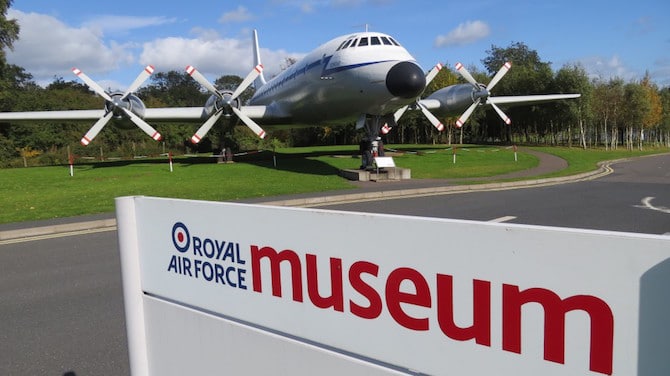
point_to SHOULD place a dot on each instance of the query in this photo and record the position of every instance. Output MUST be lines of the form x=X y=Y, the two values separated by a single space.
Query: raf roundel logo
x=180 y=237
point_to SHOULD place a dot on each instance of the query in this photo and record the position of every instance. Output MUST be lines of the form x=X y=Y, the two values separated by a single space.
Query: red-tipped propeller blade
x=396 y=115
x=494 y=81
x=97 y=127
x=202 y=80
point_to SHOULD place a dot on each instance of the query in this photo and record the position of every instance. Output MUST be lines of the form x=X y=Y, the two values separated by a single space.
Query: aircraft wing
x=522 y=99
x=51 y=115
x=434 y=104
x=159 y=115
x=173 y=114
x=195 y=114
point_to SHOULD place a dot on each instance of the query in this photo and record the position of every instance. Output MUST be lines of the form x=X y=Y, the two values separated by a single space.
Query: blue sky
x=113 y=41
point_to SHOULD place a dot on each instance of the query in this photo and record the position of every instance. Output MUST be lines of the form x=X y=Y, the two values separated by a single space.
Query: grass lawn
x=50 y=192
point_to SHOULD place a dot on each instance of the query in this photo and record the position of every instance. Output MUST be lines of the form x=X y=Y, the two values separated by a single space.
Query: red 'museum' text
x=393 y=299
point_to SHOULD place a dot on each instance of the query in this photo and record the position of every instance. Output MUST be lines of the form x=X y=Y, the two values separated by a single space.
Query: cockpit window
x=368 y=41
x=345 y=44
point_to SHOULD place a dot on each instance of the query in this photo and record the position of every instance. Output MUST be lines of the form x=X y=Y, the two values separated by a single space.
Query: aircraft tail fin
x=260 y=80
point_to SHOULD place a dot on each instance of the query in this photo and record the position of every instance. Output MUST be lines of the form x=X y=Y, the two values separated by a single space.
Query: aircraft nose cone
x=405 y=80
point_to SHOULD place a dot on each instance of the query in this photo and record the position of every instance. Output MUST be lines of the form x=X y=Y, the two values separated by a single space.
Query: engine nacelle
x=131 y=103
x=224 y=104
x=455 y=99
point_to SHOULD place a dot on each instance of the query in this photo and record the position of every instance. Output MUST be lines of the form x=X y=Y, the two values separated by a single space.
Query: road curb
x=36 y=232
x=603 y=170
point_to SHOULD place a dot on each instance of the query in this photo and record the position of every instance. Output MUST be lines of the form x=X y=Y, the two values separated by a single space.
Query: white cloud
x=124 y=24
x=312 y=6
x=47 y=47
x=465 y=33
x=240 y=14
x=211 y=56
x=598 y=67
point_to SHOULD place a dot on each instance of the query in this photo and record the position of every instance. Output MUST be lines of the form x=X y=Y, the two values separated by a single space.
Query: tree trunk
x=605 y=134
x=582 y=134
x=569 y=136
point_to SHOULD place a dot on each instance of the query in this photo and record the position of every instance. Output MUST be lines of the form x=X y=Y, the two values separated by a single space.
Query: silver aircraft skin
x=367 y=78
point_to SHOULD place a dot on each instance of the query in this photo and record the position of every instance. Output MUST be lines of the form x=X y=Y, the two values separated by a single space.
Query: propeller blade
x=92 y=84
x=502 y=72
x=202 y=131
x=202 y=80
x=433 y=72
x=386 y=128
x=247 y=81
x=148 y=71
x=400 y=112
x=433 y=120
x=502 y=115
x=249 y=123
x=148 y=129
x=468 y=77
x=96 y=128
x=461 y=120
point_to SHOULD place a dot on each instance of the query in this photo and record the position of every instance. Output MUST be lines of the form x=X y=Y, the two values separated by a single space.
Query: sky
x=113 y=41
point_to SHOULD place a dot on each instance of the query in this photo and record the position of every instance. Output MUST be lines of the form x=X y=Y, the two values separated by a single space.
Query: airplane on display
x=367 y=78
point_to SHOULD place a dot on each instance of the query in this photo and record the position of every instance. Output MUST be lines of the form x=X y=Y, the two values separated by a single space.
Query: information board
x=214 y=288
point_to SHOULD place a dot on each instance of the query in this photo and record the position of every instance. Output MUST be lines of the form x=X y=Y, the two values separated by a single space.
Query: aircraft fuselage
x=334 y=85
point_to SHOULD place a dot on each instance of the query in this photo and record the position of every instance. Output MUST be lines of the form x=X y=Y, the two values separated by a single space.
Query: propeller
x=433 y=120
x=482 y=93
x=117 y=104
x=225 y=102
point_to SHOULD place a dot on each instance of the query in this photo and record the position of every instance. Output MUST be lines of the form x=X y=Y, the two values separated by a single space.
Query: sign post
x=209 y=289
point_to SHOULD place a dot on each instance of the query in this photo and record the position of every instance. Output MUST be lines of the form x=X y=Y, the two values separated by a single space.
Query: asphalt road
x=61 y=307
x=634 y=198
x=61 y=304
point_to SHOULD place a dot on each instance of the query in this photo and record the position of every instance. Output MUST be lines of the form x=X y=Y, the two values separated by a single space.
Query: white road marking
x=646 y=204
x=503 y=219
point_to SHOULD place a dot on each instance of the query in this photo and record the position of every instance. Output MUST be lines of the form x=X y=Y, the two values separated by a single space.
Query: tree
x=9 y=29
x=9 y=32
x=664 y=126
x=573 y=79
x=174 y=89
x=653 y=116
x=635 y=111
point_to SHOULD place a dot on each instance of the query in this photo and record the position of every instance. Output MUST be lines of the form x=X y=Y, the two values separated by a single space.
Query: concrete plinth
x=385 y=174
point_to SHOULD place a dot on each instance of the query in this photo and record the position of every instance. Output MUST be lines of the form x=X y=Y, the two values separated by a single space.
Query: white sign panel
x=382 y=162
x=386 y=294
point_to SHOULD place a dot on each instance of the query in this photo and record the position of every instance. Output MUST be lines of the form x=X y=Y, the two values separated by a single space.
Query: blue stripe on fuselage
x=278 y=82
